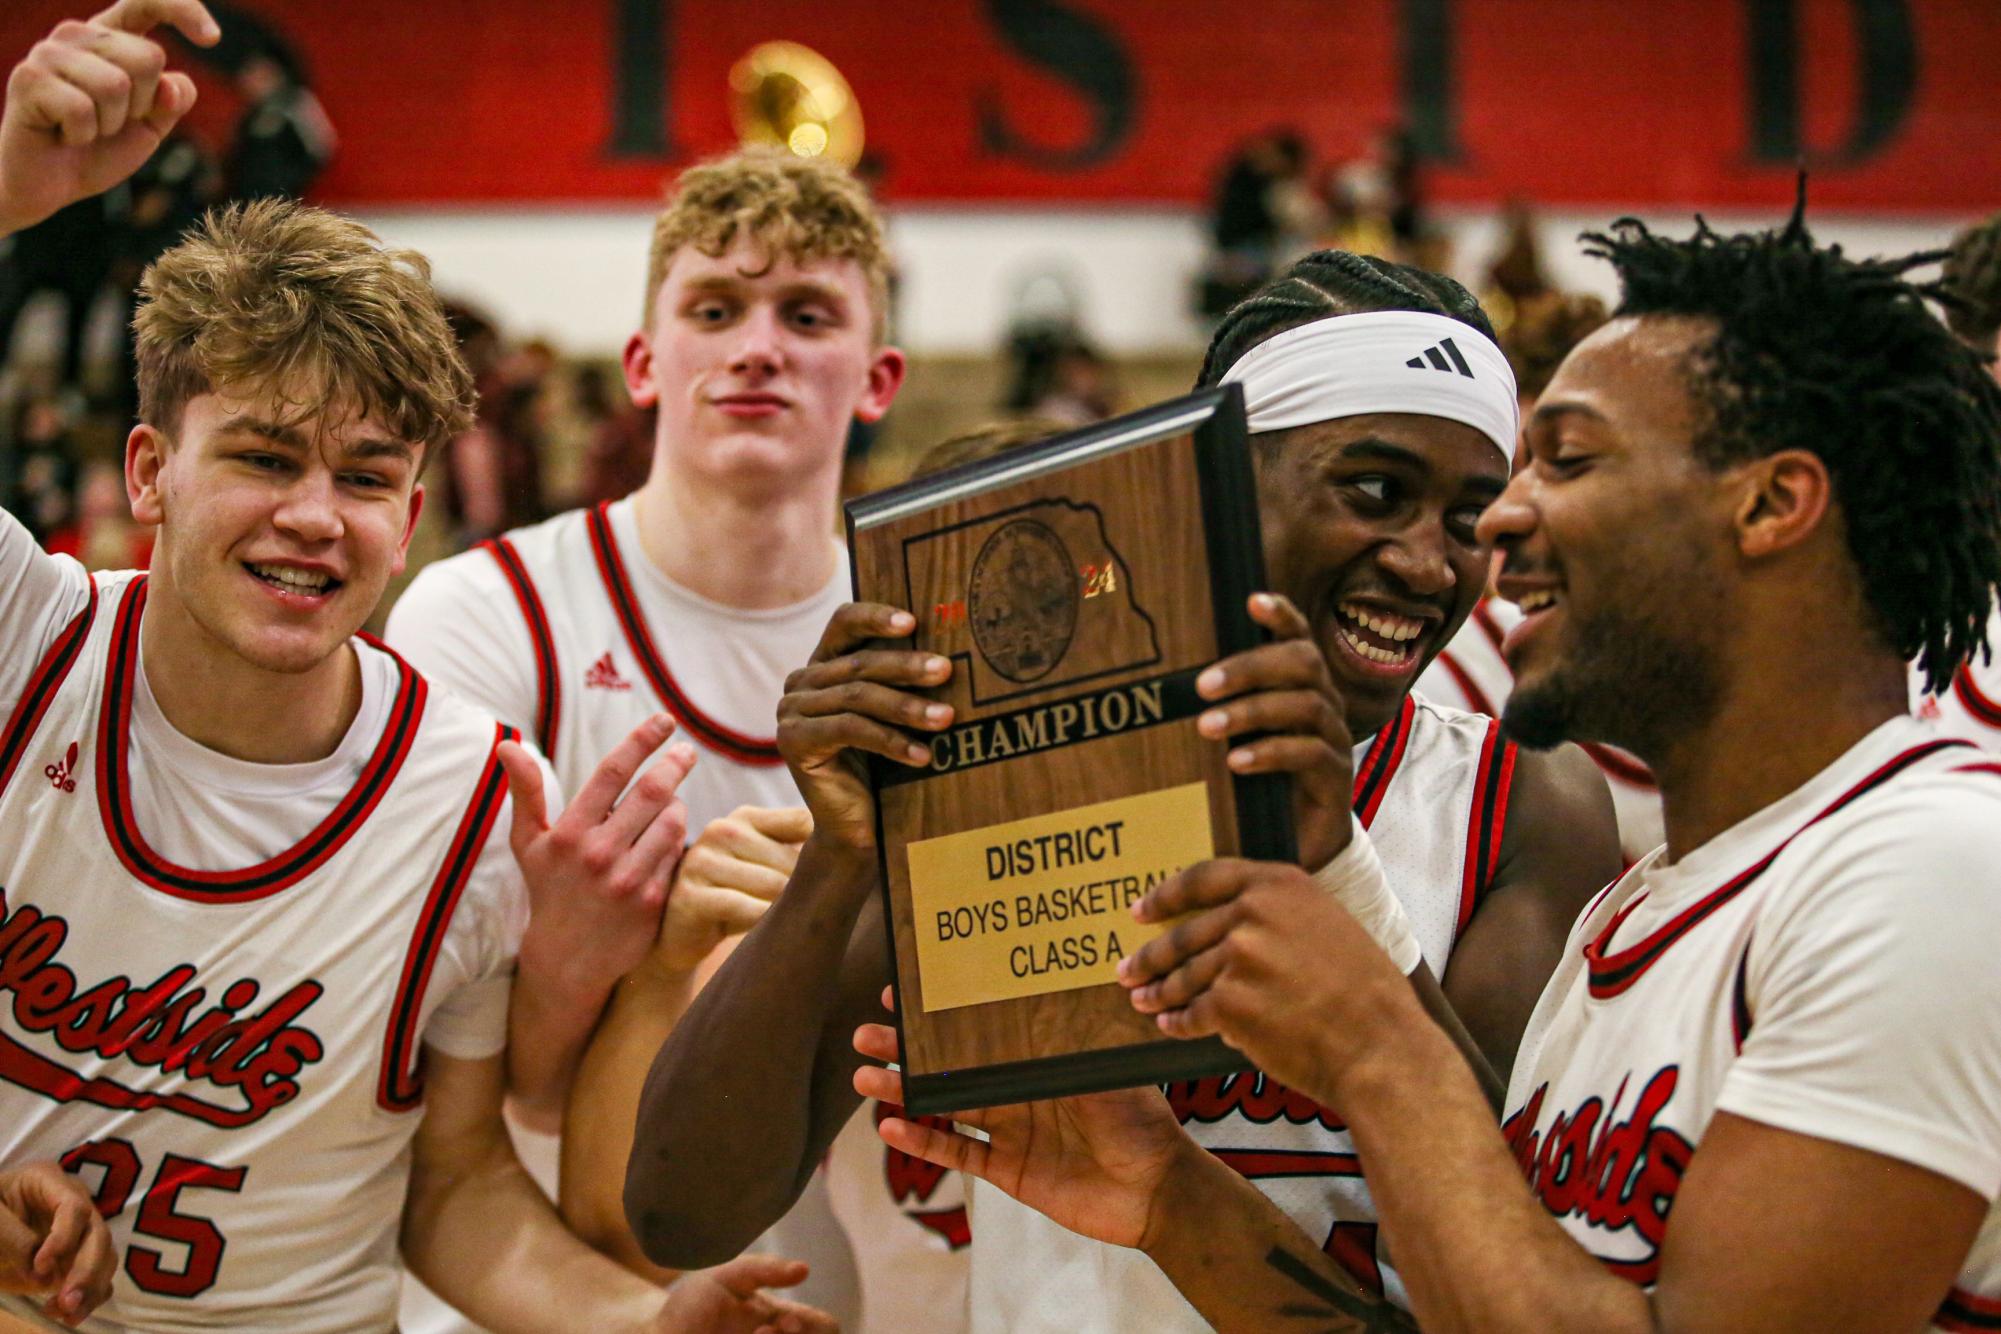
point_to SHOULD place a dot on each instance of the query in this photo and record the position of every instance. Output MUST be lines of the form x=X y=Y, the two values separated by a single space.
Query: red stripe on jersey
x=1612 y=972
x=1353 y=1247
x=1483 y=616
x=1617 y=764
x=1489 y=819
x=548 y=682
x=400 y=1085
x=1968 y=1312
x=1975 y=702
x=50 y=673
x=1256 y=1164
x=1385 y=757
x=759 y=752
x=114 y=785
x=1476 y=698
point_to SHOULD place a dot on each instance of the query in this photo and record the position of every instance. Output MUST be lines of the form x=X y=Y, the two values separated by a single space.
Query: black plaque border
x=1235 y=550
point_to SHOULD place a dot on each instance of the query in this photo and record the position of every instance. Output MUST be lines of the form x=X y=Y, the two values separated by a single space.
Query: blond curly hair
x=795 y=208
x=276 y=297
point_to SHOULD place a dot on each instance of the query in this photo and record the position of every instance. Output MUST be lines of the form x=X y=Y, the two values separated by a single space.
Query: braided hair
x=1972 y=284
x=1813 y=350
x=1332 y=282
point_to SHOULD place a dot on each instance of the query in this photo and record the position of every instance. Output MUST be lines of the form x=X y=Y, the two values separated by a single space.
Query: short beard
x=1636 y=684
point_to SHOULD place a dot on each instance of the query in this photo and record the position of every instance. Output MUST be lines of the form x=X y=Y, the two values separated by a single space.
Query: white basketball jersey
x=1432 y=789
x=1751 y=978
x=576 y=590
x=1970 y=708
x=228 y=1059
x=1470 y=673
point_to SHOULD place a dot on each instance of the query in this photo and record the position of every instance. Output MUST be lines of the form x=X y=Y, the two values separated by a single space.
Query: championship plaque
x=1079 y=586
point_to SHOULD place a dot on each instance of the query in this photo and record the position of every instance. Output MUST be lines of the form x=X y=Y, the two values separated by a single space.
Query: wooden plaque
x=1078 y=585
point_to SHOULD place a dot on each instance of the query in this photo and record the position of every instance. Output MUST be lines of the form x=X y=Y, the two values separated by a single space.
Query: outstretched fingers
x=188 y=17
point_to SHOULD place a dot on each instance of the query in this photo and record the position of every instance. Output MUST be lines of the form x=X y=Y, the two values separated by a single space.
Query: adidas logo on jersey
x=62 y=774
x=1441 y=356
x=603 y=675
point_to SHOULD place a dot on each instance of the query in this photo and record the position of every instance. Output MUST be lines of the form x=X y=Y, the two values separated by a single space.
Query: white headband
x=1383 y=361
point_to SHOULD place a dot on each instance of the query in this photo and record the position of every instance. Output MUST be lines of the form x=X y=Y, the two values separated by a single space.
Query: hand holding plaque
x=1079 y=587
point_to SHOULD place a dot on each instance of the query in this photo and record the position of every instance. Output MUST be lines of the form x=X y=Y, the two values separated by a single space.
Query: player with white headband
x=1382 y=419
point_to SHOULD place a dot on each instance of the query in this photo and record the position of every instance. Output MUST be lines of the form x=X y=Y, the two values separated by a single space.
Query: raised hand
x=727 y=879
x=850 y=700
x=1270 y=962
x=1284 y=691
x=598 y=876
x=53 y=1242
x=1097 y=1164
x=89 y=105
x=730 y=1299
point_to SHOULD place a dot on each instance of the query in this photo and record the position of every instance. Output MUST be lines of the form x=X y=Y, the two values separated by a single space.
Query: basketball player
x=1372 y=472
x=1470 y=673
x=762 y=339
x=219 y=982
x=1971 y=706
x=1763 y=1090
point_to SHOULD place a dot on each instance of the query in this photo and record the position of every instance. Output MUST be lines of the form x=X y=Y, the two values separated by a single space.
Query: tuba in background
x=791 y=96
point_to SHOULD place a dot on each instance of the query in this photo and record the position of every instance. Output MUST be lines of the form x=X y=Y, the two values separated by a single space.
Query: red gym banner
x=1893 y=104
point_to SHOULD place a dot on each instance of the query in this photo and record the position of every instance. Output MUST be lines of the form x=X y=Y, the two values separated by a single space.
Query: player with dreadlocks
x=1763 y=1089
x=1374 y=458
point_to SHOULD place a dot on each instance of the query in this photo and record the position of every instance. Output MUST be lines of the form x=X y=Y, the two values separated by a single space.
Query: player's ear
x=145 y=454
x=885 y=376
x=638 y=365
x=1786 y=496
x=409 y=528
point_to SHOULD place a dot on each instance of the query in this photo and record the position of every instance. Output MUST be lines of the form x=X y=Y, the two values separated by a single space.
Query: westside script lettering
x=1619 y=1175
x=168 y=1025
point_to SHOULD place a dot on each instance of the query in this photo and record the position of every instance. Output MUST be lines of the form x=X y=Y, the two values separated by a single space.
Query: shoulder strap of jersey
x=548 y=681
x=1486 y=823
x=400 y=1085
x=49 y=675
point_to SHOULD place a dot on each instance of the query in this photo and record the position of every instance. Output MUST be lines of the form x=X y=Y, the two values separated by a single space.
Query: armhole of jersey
x=50 y=673
x=1484 y=827
x=400 y=1086
x=548 y=682
x=1740 y=1004
x=1476 y=698
x=1973 y=700
x=1965 y=1312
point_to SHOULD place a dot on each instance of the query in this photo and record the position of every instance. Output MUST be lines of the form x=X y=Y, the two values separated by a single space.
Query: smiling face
x=1614 y=538
x=1369 y=529
x=759 y=363
x=277 y=538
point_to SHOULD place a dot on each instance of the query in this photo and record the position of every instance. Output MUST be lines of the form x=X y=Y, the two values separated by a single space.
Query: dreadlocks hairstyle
x=1332 y=282
x=1972 y=285
x=1842 y=357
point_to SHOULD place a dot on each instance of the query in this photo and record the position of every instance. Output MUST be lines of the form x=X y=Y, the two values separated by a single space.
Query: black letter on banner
x=640 y=73
x=1430 y=101
x=1082 y=53
x=1887 y=46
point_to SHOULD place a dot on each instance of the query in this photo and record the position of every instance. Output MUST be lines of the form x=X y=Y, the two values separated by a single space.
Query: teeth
x=311 y=581
x=1536 y=601
x=1396 y=628
x=1386 y=656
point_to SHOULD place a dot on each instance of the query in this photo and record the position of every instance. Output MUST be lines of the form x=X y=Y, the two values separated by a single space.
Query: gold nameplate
x=1042 y=905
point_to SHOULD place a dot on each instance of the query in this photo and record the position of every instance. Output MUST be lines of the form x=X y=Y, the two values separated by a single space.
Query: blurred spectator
x=1973 y=277
x=619 y=449
x=105 y=537
x=68 y=254
x=283 y=140
x=492 y=475
x=1258 y=189
x=168 y=196
x=41 y=484
x=1544 y=329
x=1078 y=390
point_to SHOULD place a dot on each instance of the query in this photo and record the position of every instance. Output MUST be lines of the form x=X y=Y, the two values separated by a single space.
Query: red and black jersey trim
x=1968 y=1313
x=1259 y=1164
x=49 y=676
x=1476 y=698
x=1740 y=1003
x=1974 y=700
x=1612 y=972
x=1483 y=616
x=1353 y=1247
x=400 y=1085
x=1380 y=765
x=1617 y=764
x=114 y=787
x=1486 y=824
x=548 y=681
x=730 y=744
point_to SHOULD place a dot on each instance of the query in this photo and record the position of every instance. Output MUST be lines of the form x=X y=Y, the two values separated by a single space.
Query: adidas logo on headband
x=1434 y=359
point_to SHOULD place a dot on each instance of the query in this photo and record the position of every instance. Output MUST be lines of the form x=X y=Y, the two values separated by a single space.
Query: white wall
x=574 y=275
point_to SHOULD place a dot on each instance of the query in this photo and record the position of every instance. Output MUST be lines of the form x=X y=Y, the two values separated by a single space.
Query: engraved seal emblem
x=1022 y=600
